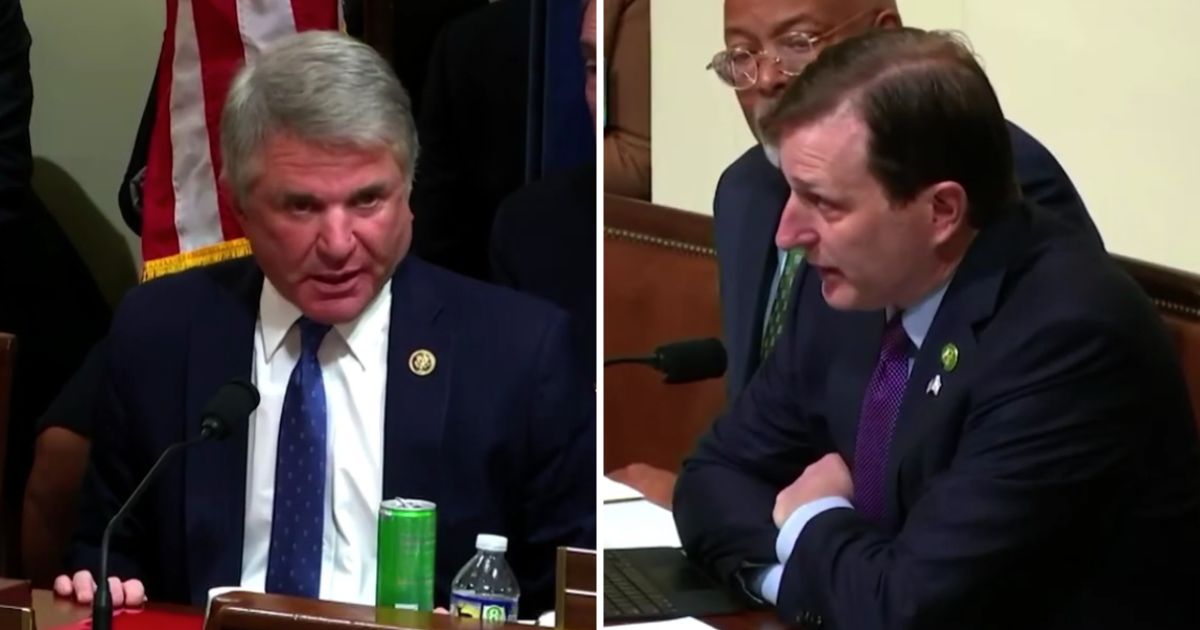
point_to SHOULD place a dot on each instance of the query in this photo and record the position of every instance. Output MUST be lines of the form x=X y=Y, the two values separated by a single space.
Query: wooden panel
x=8 y=356
x=638 y=216
x=257 y=611
x=1177 y=296
x=9 y=545
x=575 y=589
x=18 y=593
x=660 y=285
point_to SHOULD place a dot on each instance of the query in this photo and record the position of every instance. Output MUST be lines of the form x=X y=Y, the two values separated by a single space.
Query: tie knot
x=311 y=335
x=896 y=343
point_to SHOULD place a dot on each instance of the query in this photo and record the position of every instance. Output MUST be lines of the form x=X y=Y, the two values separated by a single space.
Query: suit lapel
x=415 y=410
x=970 y=300
x=923 y=411
x=858 y=352
x=221 y=348
x=768 y=194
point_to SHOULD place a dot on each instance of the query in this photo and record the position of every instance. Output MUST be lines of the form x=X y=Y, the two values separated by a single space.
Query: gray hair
x=322 y=87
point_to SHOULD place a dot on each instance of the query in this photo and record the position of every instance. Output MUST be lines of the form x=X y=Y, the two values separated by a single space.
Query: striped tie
x=779 y=301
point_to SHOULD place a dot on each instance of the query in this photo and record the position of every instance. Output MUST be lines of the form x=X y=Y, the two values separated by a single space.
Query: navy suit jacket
x=750 y=198
x=500 y=435
x=1052 y=482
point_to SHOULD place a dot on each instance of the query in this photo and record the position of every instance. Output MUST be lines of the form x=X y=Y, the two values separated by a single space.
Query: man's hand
x=656 y=484
x=82 y=587
x=827 y=477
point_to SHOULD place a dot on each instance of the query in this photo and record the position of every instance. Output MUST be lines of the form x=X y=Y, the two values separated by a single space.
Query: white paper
x=616 y=491
x=635 y=524
x=683 y=623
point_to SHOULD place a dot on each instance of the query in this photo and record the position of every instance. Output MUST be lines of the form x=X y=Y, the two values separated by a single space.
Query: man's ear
x=888 y=18
x=948 y=209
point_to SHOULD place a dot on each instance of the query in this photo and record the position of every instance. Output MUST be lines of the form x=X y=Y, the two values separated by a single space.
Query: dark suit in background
x=499 y=435
x=750 y=198
x=544 y=243
x=47 y=296
x=1052 y=482
x=472 y=129
x=415 y=26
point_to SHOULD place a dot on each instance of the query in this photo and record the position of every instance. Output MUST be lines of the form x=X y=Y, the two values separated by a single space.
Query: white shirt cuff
x=794 y=525
x=766 y=582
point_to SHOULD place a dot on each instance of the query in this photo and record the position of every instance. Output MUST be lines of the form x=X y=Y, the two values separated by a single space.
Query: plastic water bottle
x=485 y=588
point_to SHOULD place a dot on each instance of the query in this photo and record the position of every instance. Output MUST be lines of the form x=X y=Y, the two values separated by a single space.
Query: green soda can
x=407 y=533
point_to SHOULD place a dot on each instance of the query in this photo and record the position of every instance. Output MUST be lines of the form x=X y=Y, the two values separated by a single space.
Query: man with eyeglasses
x=767 y=43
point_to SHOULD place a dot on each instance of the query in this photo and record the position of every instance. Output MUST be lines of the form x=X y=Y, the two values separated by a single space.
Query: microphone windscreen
x=229 y=408
x=691 y=360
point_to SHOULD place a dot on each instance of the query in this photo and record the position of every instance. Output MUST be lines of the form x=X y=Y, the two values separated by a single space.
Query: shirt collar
x=919 y=318
x=278 y=315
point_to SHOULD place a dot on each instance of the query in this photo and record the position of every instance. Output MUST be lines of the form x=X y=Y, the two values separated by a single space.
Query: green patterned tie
x=779 y=301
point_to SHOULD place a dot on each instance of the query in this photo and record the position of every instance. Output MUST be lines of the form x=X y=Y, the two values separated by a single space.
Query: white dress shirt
x=353 y=359
x=916 y=322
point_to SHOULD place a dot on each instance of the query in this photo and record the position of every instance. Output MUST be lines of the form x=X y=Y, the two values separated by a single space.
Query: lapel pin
x=949 y=357
x=422 y=362
x=935 y=385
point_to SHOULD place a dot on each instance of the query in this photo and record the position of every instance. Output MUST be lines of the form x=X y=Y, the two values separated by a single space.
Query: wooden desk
x=53 y=612
x=750 y=620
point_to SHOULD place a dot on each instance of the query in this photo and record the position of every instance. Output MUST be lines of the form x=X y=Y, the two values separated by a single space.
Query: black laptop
x=661 y=583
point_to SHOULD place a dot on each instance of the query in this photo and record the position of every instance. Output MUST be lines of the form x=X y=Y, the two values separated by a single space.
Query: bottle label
x=497 y=609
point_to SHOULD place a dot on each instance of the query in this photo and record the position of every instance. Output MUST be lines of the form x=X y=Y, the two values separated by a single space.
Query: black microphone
x=227 y=409
x=683 y=361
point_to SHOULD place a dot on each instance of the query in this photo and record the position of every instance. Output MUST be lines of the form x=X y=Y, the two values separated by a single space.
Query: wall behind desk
x=92 y=64
x=1110 y=87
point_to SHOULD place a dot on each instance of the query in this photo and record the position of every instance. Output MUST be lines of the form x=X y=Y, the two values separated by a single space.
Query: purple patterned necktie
x=880 y=406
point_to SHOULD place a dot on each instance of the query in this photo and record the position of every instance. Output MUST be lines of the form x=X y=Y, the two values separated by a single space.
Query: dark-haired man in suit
x=973 y=418
x=767 y=43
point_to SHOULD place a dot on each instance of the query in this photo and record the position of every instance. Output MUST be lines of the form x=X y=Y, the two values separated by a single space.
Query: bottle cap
x=491 y=542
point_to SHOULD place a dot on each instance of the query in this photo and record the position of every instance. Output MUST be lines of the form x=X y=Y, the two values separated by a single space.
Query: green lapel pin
x=949 y=357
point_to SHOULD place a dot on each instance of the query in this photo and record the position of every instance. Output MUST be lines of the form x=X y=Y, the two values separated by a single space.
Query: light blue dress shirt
x=916 y=322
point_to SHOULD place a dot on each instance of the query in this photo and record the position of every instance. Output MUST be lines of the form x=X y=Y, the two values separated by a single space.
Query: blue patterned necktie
x=298 y=518
x=880 y=406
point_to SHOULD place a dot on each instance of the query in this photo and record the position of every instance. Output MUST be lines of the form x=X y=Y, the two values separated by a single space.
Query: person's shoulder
x=1066 y=309
x=1028 y=151
x=1064 y=275
x=565 y=198
x=750 y=167
x=176 y=286
x=482 y=307
x=169 y=302
x=750 y=174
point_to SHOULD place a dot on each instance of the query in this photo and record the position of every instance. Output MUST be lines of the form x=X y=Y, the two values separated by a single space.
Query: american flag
x=187 y=218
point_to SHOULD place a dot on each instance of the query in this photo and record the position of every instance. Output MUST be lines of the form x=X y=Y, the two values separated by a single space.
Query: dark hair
x=930 y=110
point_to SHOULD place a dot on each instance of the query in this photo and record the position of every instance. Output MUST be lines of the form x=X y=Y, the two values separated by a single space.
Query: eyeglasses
x=739 y=68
